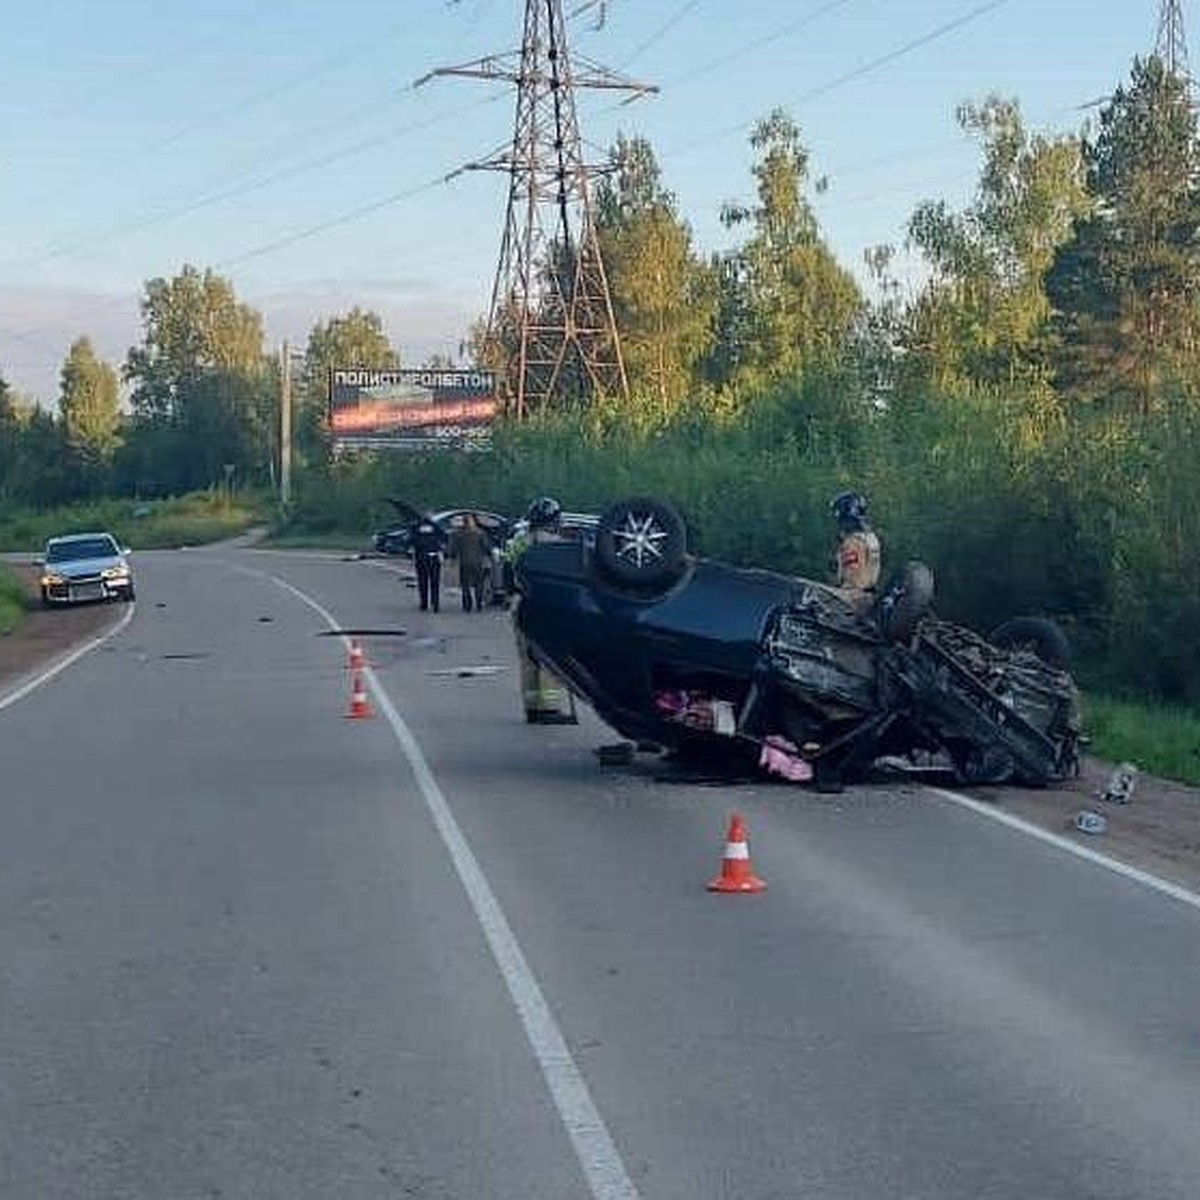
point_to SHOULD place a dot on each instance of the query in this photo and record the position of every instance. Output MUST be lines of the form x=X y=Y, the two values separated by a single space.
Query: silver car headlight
x=121 y=572
x=52 y=579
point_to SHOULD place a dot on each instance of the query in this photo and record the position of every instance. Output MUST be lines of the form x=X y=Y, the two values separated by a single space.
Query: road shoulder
x=46 y=635
x=1158 y=831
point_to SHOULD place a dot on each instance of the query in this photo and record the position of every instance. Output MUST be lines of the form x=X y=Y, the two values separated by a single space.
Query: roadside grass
x=12 y=601
x=1158 y=739
x=140 y=524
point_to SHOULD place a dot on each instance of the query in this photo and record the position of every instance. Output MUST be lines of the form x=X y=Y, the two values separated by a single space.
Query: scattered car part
x=1121 y=784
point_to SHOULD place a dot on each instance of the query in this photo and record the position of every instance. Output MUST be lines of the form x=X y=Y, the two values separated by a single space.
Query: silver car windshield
x=98 y=547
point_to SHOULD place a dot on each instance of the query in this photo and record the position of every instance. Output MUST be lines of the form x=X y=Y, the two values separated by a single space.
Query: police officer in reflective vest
x=545 y=698
x=858 y=554
x=428 y=545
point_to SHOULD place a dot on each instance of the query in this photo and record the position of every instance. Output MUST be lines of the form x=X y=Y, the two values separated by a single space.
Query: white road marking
x=1174 y=890
x=598 y=1156
x=63 y=663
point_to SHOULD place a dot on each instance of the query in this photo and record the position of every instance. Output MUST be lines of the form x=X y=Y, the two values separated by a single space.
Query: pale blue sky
x=137 y=135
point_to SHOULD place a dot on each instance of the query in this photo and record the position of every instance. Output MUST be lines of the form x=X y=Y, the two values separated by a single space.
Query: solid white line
x=598 y=1155
x=63 y=663
x=1174 y=890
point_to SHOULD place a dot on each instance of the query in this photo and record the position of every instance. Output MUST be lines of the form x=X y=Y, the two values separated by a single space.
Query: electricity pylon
x=1171 y=45
x=551 y=324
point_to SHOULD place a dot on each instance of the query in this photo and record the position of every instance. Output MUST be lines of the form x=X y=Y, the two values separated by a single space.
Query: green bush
x=142 y=525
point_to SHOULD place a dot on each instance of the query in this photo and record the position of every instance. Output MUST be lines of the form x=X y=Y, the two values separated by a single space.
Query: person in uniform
x=428 y=546
x=545 y=698
x=858 y=552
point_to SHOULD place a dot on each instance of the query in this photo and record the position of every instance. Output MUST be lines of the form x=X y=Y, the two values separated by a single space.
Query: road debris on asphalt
x=615 y=754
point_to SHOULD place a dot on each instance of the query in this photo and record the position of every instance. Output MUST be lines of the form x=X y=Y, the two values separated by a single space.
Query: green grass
x=1159 y=740
x=142 y=525
x=12 y=601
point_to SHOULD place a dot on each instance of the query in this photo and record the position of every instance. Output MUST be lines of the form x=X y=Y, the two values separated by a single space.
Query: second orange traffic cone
x=359 y=705
x=358 y=659
x=736 y=873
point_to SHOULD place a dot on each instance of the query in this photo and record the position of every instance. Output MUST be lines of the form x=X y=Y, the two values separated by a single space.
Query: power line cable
x=769 y=38
x=138 y=224
x=662 y=31
x=255 y=159
x=237 y=108
x=160 y=64
x=346 y=218
x=857 y=73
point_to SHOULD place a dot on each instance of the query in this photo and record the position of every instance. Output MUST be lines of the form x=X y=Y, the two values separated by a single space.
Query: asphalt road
x=247 y=951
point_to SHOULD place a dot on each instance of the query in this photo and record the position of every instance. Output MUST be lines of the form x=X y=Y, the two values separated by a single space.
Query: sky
x=286 y=146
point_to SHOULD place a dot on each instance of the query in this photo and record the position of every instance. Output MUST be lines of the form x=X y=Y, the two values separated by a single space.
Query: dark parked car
x=395 y=538
x=695 y=655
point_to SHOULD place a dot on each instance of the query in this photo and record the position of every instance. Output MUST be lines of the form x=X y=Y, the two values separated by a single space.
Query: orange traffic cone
x=736 y=873
x=359 y=707
x=358 y=659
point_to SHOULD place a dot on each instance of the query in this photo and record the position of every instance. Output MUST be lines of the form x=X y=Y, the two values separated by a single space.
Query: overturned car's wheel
x=641 y=543
x=1036 y=635
x=905 y=600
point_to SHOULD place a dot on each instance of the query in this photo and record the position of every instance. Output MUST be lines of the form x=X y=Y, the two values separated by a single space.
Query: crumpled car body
x=743 y=662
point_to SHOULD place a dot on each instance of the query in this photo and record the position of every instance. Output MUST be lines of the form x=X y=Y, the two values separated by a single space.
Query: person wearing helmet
x=544 y=697
x=858 y=552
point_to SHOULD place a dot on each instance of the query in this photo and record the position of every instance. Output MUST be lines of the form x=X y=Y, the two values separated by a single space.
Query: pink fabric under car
x=781 y=757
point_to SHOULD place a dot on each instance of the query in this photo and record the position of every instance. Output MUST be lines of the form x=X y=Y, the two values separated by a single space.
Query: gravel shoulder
x=47 y=633
x=1158 y=831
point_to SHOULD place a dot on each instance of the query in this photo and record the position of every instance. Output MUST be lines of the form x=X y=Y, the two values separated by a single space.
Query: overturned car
x=697 y=656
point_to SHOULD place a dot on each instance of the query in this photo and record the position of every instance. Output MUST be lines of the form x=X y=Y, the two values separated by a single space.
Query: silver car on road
x=85 y=566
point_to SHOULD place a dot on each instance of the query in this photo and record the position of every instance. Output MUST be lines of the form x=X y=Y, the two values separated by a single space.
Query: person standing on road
x=428 y=546
x=473 y=550
x=858 y=552
x=545 y=698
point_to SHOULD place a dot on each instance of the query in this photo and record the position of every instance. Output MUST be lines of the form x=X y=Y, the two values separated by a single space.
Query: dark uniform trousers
x=429 y=579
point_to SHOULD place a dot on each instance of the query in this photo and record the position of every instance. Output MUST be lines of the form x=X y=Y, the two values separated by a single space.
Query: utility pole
x=285 y=427
x=551 y=325
x=1171 y=45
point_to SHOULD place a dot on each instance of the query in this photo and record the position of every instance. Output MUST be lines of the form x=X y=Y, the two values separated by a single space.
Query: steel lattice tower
x=1171 y=45
x=551 y=317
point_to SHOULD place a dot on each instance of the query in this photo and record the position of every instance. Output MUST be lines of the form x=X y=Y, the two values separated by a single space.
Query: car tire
x=1037 y=635
x=46 y=601
x=905 y=600
x=487 y=590
x=641 y=543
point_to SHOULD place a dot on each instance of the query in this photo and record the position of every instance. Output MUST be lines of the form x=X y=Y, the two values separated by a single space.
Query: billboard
x=411 y=409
